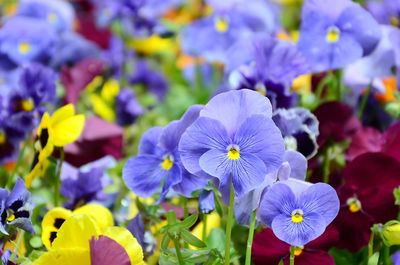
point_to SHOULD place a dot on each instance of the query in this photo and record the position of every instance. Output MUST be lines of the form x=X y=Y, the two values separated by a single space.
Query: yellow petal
x=100 y=214
x=101 y=108
x=110 y=90
x=75 y=256
x=52 y=222
x=76 y=233
x=68 y=130
x=392 y=234
x=62 y=113
x=125 y=239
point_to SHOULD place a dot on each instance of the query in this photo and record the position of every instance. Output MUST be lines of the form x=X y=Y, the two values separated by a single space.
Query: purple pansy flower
x=267 y=66
x=127 y=107
x=385 y=12
x=158 y=161
x=16 y=208
x=299 y=129
x=207 y=201
x=298 y=212
x=10 y=138
x=335 y=33
x=25 y=39
x=234 y=139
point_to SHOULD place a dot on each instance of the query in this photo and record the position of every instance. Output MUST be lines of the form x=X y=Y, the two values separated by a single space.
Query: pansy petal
x=278 y=199
x=104 y=251
x=298 y=234
x=217 y=164
x=143 y=174
x=234 y=107
x=204 y=134
x=76 y=256
x=189 y=183
x=298 y=164
x=149 y=140
x=259 y=136
x=68 y=130
x=172 y=177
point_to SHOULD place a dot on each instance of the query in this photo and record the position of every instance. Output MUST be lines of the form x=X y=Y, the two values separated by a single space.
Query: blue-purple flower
x=16 y=208
x=234 y=140
x=298 y=212
x=159 y=161
x=267 y=66
x=299 y=129
x=385 y=12
x=127 y=106
x=206 y=201
x=335 y=33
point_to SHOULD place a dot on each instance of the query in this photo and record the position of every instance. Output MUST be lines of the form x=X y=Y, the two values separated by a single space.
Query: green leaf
x=373 y=260
x=189 y=221
x=165 y=241
x=192 y=240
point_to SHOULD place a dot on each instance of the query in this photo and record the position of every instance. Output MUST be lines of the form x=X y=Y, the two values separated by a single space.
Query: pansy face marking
x=395 y=21
x=52 y=17
x=24 y=47
x=297 y=216
x=168 y=162
x=298 y=250
x=354 y=204
x=233 y=152
x=260 y=88
x=221 y=24
x=3 y=137
x=332 y=34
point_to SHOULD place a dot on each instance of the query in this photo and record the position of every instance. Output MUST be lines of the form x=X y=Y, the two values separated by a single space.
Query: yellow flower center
x=3 y=138
x=51 y=17
x=333 y=34
x=395 y=21
x=233 y=152
x=27 y=105
x=354 y=205
x=298 y=250
x=24 y=47
x=168 y=162
x=221 y=24
x=297 y=216
x=10 y=216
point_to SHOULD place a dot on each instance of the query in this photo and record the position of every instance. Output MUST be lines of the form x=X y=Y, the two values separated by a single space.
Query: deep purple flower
x=385 y=12
x=10 y=138
x=116 y=56
x=159 y=161
x=234 y=139
x=59 y=14
x=137 y=228
x=16 y=208
x=267 y=66
x=127 y=107
x=151 y=79
x=298 y=212
x=25 y=39
x=299 y=129
x=335 y=33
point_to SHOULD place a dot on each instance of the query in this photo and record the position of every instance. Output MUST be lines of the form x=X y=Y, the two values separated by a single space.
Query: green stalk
x=371 y=245
x=364 y=101
x=178 y=251
x=340 y=86
x=250 y=238
x=58 y=180
x=204 y=236
x=291 y=255
x=318 y=92
x=185 y=208
x=19 y=242
x=229 y=226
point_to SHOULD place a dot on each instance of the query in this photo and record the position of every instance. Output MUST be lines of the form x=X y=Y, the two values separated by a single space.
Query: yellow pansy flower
x=152 y=45
x=392 y=233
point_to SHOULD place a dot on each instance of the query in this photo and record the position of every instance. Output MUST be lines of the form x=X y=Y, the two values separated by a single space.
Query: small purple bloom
x=335 y=33
x=298 y=212
x=116 y=56
x=127 y=107
x=269 y=67
x=299 y=128
x=234 y=139
x=158 y=161
x=385 y=12
x=207 y=201
x=396 y=258
x=16 y=208
x=137 y=228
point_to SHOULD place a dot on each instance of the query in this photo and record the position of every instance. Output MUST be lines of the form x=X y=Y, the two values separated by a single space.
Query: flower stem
x=291 y=255
x=204 y=235
x=229 y=226
x=327 y=165
x=364 y=101
x=340 y=86
x=185 y=208
x=371 y=244
x=19 y=242
x=322 y=84
x=250 y=238
x=58 y=180
x=178 y=251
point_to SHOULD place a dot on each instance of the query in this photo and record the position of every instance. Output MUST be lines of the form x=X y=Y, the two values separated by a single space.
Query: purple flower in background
x=385 y=12
x=206 y=201
x=116 y=56
x=59 y=14
x=25 y=39
x=267 y=66
x=298 y=212
x=158 y=161
x=299 y=129
x=396 y=258
x=127 y=107
x=16 y=208
x=335 y=33
x=151 y=79
x=234 y=140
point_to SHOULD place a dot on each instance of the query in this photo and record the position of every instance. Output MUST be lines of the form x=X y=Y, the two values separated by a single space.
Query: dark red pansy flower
x=98 y=139
x=336 y=121
x=269 y=250
x=76 y=78
x=366 y=198
x=105 y=251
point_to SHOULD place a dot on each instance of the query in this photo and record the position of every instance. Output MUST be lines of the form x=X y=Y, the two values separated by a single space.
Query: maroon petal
x=106 y=251
x=391 y=141
x=336 y=121
x=327 y=240
x=367 y=139
x=268 y=249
